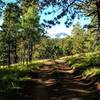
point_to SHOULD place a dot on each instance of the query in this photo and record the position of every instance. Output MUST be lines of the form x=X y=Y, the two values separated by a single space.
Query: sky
x=61 y=28
x=52 y=32
x=7 y=1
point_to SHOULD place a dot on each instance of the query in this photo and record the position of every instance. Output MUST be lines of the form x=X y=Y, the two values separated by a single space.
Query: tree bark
x=98 y=16
x=30 y=51
x=98 y=12
x=15 y=52
x=9 y=51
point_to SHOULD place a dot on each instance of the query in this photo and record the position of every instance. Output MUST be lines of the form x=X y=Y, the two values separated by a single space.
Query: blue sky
x=52 y=32
x=7 y=1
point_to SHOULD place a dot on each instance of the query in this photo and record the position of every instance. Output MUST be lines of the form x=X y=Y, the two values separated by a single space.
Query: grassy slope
x=16 y=75
x=17 y=70
x=88 y=63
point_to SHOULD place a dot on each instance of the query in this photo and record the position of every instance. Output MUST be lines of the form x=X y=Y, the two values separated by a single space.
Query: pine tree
x=10 y=28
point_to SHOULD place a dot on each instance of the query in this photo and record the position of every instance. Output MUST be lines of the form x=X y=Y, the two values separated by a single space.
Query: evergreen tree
x=31 y=28
x=10 y=29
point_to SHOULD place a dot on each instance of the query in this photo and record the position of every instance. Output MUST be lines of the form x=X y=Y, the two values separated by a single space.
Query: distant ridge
x=61 y=35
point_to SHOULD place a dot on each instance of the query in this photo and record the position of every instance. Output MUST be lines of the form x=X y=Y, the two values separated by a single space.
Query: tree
x=66 y=7
x=20 y=29
x=72 y=8
x=31 y=28
x=10 y=29
x=78 y=36
x=91 y=9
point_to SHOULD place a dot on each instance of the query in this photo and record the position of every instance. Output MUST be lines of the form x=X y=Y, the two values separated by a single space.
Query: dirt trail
x=55 y=80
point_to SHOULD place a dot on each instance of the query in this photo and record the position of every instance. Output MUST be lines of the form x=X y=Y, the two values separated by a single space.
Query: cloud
x=1 y=21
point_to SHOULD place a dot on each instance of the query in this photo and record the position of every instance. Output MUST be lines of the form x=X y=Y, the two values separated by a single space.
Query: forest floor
x=55 y=80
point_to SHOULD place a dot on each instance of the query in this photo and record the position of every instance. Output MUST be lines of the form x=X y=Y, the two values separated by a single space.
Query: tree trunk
x=30 y=51
x=24 y=54
x=15 y=52
x=98 y=12
x=9 y=60
x=98 y=16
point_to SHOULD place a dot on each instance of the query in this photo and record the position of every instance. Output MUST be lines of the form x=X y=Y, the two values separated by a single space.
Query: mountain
x=61 y=35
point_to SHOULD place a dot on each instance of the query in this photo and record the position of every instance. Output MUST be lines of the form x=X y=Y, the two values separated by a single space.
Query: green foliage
x=9 y=33
x=31 y=32
x=92 y=71
x=80 y=41
x=84 y=60
x=20 y=29
x=84 y=63
x=50 y=49
x=16 y=75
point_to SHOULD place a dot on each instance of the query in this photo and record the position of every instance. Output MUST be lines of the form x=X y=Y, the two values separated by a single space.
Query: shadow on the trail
x=61 y=90
x=45 y=85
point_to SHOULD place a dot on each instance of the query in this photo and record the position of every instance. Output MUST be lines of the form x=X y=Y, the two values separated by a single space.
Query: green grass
x=19 y=71
x=20 y=66
x=15 y=75
x=84 y=63
x=84 y=60
x=92 y=70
